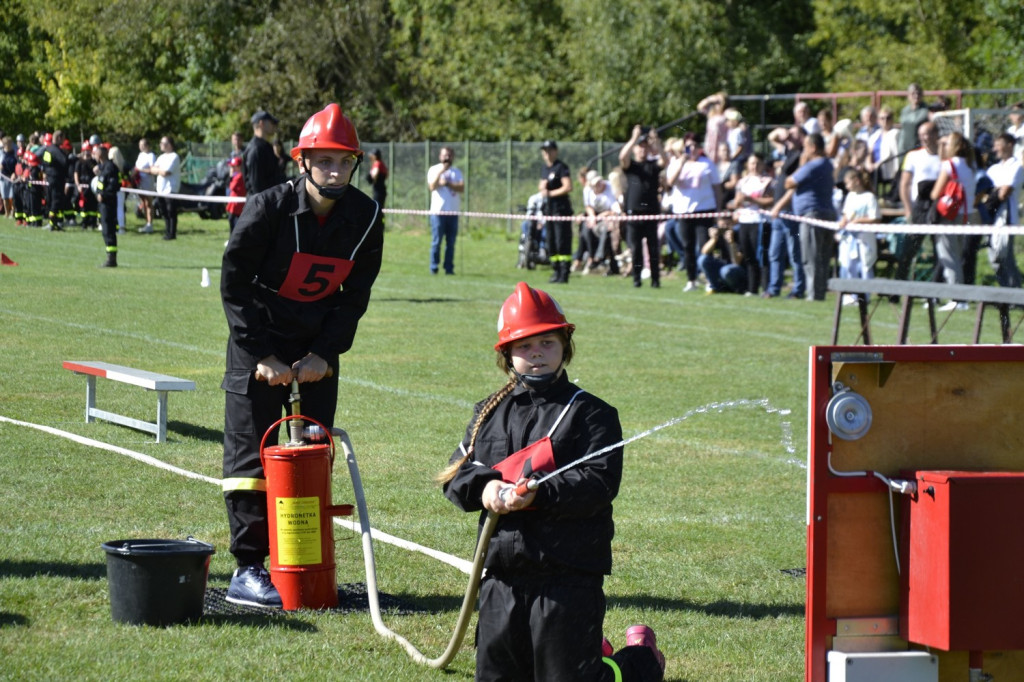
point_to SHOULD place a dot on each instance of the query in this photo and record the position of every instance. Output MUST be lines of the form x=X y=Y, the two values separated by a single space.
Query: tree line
x=410 y=70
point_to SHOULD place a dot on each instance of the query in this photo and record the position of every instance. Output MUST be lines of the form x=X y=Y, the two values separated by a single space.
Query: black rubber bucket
x=157 y=582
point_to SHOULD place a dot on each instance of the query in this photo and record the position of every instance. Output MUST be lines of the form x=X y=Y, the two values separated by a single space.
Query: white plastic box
x=883 y=666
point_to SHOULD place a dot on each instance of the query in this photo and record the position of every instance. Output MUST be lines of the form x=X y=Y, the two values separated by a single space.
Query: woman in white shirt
x=696 y=188
x=145 y=159
x=754 y=232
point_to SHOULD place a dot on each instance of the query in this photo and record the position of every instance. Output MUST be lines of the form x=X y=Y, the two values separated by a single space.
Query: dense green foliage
x=409 y=70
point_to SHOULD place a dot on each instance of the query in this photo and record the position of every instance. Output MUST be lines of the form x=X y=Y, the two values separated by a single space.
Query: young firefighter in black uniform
x=32 y=190
x=84 y=167
x=295 y=279
x=542 y=603
x=56 y=166
x=108 y=184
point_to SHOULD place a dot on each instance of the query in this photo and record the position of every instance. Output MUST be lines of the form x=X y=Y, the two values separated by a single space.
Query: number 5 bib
x=312 y=277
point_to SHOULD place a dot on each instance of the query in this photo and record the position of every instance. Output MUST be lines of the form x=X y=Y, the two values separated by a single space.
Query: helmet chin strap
x=332 y=193
x=534 y=381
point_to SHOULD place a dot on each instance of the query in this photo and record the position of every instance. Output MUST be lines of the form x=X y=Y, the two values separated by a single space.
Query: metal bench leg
x=90 y=397
x=161 y=416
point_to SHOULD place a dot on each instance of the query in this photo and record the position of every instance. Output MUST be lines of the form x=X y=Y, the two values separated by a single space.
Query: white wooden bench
x=161 y=383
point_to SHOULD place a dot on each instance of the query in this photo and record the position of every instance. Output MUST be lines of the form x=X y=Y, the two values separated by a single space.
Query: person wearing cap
x=556 y=186
x=541 y=601
x=261 y=167
x=446 y=186
x=296 y=277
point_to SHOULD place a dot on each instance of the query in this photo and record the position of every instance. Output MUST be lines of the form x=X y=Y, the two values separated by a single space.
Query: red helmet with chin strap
x=327 y=129
x=528 y=312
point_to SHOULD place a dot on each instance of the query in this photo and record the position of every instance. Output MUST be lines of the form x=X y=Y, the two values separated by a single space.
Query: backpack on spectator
x=952 y=200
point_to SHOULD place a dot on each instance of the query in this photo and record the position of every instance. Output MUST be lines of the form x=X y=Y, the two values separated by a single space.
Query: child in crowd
x=858 y=251
x=542 y=603
x=236 y=188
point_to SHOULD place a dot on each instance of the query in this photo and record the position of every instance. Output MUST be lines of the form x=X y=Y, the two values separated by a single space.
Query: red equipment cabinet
x=963 y=549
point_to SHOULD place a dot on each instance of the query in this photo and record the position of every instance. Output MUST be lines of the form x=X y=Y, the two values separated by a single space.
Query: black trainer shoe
x=251 y=585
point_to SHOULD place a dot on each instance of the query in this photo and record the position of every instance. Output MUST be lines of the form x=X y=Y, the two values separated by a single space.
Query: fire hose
x=299 y=433
x=475 y=573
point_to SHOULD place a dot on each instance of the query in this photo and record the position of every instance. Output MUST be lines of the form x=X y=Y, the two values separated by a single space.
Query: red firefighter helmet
x=66 y=145
x=235 y=161
x=528 y=312
x=86 y=147
x=48 y=138
x=327 y=129
x=30 y=158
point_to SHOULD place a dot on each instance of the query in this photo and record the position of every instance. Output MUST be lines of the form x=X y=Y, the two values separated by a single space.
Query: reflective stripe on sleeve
x=229 y=484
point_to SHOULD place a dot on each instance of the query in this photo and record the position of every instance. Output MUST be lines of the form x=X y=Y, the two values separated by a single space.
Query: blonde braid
x=488 y=407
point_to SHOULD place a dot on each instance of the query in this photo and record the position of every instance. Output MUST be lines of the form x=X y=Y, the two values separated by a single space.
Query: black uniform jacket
x=274 y=225
x=569 y=528
x=56 y=165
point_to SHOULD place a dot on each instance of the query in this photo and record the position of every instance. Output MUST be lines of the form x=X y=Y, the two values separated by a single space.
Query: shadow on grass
x=53 y=569
x=8 y=619
x=418 y=300
x=722 y=608
x=197 y=432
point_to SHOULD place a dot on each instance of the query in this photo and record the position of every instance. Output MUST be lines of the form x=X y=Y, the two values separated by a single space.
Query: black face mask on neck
x=334 y=192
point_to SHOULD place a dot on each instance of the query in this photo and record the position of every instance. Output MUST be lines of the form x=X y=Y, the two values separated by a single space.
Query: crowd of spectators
x=740 y=222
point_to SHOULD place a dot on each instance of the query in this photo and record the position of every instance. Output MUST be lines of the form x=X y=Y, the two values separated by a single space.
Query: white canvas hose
x=468 y=601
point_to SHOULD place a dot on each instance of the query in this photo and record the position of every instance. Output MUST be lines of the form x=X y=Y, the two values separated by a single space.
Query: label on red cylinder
x=298 y=531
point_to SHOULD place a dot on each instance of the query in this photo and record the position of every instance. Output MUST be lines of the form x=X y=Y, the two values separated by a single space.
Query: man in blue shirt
x=812 y=186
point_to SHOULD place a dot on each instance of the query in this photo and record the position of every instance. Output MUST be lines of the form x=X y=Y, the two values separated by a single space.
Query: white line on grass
x=454 y=561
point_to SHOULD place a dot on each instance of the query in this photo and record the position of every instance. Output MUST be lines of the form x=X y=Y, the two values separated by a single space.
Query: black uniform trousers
x=108 y=223
x=250 y=408
x=549 y=628
x=637 y=231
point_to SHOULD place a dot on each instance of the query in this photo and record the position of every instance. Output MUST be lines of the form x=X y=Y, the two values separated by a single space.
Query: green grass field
x=710 y=518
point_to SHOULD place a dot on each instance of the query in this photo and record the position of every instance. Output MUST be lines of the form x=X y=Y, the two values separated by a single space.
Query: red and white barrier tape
x=884 y=228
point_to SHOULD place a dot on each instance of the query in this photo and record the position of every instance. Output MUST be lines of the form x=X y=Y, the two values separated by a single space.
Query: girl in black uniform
x=542 y=603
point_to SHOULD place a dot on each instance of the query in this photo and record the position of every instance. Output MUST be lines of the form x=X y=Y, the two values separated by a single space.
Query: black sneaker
x=250 y=585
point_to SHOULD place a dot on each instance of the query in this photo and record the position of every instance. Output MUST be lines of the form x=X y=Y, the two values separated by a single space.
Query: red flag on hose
x=4 y=260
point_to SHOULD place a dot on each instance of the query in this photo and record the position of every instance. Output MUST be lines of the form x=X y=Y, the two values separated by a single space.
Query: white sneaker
x=147 y=229
x=690 y=286
x=952 y=305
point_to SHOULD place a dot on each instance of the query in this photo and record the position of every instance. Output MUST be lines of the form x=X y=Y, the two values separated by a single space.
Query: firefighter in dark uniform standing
x=56 y=166
x=555 y=186
x=108 y=184
x=295 y=280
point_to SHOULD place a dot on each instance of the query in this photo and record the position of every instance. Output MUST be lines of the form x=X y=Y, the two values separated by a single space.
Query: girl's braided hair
x=485 y=411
